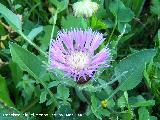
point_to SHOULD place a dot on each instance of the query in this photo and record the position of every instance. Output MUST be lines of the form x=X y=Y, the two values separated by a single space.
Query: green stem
x=112 y=31
x=34 y=45
x=128 y=105
x=54 y=23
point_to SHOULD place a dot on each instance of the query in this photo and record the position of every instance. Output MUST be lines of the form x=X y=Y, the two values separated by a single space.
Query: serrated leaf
x=134 y=64
x=73 y=22
x=11 y=18
x=35 y=32
x=4 y=93
x=53 y=84
x=26 y=60
x=62 y=92
x=43 y=97
x=65 y=112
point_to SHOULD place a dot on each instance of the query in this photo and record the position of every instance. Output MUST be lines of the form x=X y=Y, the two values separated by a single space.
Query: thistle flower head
x=74 y=53
x=85 y=8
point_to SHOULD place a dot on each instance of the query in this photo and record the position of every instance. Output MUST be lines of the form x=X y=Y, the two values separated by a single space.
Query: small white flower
x=85 y=8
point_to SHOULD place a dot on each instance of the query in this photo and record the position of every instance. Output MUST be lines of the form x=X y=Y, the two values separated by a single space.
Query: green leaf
x=127 y=115
x=2 y=30
x=153 y=118
x=16 y=76
x=115 y=5
x=136 y=5
x=121 y=102
x=124 y=15
x=62 y=92
x=124 y=27
x=94 y=101
x=155 y=7
x=45 y=37
x=73 y=22
x=34 y=32
x=104 y=112
x=43 y=97
x=4 y=94
x=94 y=107
x=53 y=84
x=26 y=86
x=109 y=23
x=62 y=78
x=26 y=60
x=97 y=23
x=11 y=18
x=9 y=113
x=101 y=12
x=60 y=5
x=134 y=65
x=144 y=103
x=143 y=113
x=159 y=34
x=65 y=112
x=80 y=94
x=16 y=72
x=119 y=10
x=139 y=101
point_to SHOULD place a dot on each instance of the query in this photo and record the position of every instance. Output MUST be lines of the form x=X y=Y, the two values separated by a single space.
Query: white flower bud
x=85 y=8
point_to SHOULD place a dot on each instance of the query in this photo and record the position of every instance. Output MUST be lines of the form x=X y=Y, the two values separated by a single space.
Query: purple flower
x=74 y=53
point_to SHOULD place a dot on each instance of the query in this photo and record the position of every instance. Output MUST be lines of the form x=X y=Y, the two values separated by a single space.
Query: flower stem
x=53 y=28
x=54 y=23
x=113 y=30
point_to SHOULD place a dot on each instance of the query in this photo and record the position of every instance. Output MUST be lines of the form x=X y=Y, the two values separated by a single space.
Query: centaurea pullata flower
x=74 y=53
x=85 y=8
